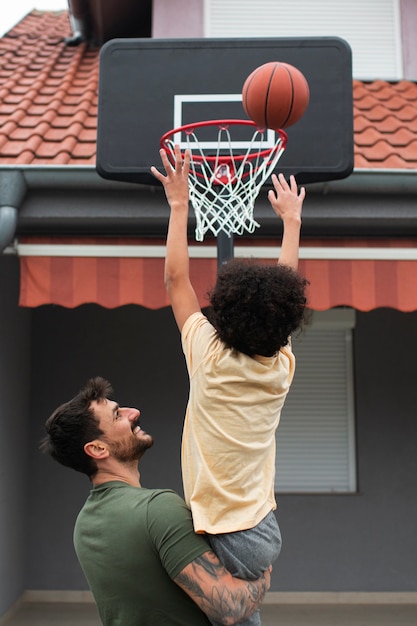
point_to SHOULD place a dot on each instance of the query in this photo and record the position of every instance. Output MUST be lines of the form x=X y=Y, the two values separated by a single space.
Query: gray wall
x=138 y=351
x=365 y=541
x=14 y=440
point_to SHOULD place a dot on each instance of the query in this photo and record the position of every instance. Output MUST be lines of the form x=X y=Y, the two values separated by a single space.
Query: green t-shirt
x=131 y=542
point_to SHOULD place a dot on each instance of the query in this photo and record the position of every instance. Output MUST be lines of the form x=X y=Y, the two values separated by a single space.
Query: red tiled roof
x=48 y=94
x=48 y=103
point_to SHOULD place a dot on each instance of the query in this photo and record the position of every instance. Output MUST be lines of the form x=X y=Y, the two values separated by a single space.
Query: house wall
x=186 y=19
x=14 y=419
x=138 y=351
x=408 y=10
x=181 y=18
x=365 y=541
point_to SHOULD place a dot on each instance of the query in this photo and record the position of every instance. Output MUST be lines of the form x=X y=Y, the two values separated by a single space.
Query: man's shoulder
x=118 y=495
x=133 y=506
x=167 y=499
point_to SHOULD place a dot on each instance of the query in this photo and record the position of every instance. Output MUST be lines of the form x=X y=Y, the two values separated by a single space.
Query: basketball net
x=223 y=184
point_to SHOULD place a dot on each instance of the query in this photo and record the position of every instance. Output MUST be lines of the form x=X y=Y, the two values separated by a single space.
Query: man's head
x=255 y=308
x=91 y=427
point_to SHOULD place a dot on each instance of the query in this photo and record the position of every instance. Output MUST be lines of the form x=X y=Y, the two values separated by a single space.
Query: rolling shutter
x=371 y=27
x=315 y=439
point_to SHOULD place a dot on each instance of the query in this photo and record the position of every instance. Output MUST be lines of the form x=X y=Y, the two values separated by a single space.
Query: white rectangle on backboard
x=268 y=140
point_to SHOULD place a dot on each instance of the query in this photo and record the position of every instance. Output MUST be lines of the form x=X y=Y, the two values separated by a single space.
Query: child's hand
x=175 y=181
x=285 y=200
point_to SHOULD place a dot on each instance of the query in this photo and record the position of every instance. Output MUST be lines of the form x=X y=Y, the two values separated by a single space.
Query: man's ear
x=96 y=449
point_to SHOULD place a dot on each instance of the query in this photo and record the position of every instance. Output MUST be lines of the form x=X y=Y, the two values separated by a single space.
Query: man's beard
x=132 y=452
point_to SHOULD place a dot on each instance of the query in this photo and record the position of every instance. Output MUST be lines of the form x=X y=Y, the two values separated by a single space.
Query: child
x=240 y=366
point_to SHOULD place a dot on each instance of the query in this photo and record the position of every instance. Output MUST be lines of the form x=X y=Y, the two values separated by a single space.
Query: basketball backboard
x=149 y=86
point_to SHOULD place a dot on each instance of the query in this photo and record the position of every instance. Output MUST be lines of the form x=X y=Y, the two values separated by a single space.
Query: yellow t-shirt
x=228 y=445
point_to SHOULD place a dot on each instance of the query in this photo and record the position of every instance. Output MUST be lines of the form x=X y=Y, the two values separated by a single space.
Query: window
x=316 y=436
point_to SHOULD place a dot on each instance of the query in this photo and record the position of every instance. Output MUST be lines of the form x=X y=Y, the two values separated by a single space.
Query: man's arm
x=222 y=597
x=287 y=204
x=183 y=298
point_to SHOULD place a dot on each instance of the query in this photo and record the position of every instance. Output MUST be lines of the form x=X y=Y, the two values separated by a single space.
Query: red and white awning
x=363 y=274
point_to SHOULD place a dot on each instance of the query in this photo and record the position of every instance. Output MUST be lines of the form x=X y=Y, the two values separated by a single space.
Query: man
x=136 y=546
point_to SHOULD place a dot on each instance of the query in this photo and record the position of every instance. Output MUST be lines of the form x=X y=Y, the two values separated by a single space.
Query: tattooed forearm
x=210 y=565
x=189 y=584
x=257 y=589
x=224 y=599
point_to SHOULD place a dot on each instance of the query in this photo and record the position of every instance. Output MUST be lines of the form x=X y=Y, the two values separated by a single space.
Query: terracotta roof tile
x=25 y=158
x=8 y=128
x=87 y=135
x=56 y=134
x=51 y=149
x=91 y=122
x=3 y=140
x=368 y=137
x=385 y=124
x=402 y=138
x=48 y=103
x=24 y=134
x=408 y=113
x=84 y=151
x=65 y=121
x=13 y=149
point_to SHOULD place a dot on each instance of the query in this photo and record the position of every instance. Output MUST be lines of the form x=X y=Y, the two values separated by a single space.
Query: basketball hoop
x=225 y=180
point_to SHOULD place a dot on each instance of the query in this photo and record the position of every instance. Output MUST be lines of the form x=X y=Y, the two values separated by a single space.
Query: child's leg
x=248 y=553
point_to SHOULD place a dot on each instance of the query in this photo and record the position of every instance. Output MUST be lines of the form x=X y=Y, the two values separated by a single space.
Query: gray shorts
x=248 y=553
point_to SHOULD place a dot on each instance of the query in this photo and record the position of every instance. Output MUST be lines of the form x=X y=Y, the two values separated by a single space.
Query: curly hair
x=73 y=424
x=255 y=308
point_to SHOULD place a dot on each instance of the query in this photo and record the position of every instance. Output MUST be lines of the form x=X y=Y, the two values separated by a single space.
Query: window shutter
x=371 y=27
x=315 y=439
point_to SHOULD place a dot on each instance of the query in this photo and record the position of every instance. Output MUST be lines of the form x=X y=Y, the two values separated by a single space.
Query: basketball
x=275 y=95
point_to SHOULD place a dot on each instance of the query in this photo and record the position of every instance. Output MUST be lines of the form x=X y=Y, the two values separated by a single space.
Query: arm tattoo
x=205 y=584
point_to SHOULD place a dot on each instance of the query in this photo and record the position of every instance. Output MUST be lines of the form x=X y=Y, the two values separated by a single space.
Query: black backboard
x=149 y=86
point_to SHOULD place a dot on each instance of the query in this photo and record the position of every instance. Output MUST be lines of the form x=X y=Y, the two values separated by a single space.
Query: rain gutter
x=17 y=181
x=68 y=176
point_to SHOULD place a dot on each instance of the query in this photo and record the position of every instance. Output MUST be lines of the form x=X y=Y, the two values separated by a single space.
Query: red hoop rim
x=226 y=122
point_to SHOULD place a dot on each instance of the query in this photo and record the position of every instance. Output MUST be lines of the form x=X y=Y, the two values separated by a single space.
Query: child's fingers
x=283 y=183
x=182 y=164
x=178 y=157
x=277 y=183
x=293 y=184
x=186 y=162
x=157 y=174
x=271 y=196
x=165 y=160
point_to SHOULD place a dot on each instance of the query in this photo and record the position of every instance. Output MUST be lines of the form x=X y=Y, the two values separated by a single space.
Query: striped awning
x=363 y=274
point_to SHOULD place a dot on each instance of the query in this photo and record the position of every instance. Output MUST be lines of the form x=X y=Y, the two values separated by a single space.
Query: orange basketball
x=275 y=95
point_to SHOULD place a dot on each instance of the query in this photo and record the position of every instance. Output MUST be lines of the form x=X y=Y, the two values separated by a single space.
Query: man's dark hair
x=255 y=308
x=73 y=424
